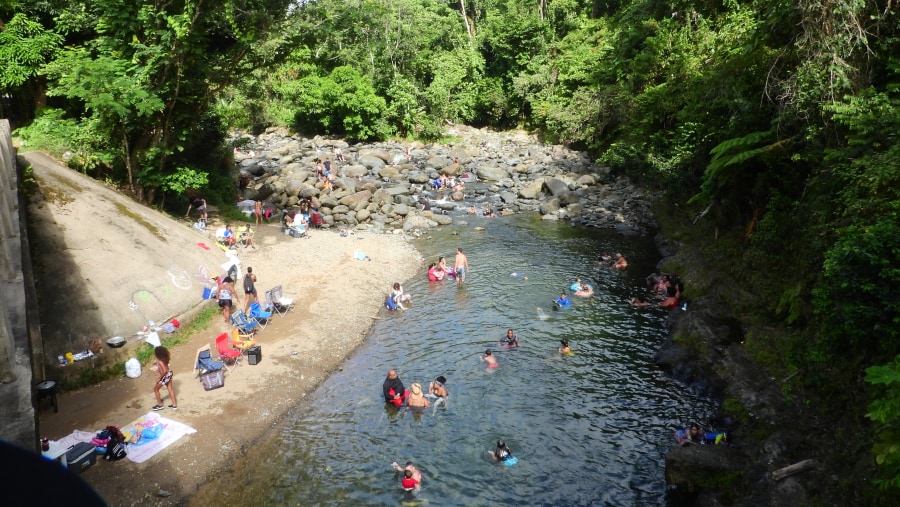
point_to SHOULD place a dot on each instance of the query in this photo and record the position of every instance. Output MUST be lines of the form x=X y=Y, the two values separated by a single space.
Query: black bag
x=115 y=450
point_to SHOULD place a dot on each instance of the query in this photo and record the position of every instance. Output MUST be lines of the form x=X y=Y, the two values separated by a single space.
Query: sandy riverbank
x=336 y=299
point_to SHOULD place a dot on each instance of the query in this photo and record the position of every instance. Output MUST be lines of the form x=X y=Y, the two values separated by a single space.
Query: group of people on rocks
x=449 y=183
x=664 y=288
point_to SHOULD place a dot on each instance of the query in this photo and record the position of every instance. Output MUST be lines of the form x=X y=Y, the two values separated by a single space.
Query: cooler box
x=213 y=379
x=207 y=292
x=254 y=354
x=80 y=456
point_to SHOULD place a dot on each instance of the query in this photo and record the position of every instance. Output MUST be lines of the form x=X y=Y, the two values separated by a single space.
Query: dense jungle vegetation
x=774 y=121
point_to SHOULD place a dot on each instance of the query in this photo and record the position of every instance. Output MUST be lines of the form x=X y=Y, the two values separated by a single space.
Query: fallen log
x=796 y=468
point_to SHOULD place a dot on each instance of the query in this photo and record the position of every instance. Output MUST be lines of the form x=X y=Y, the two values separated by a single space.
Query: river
x=588 y=429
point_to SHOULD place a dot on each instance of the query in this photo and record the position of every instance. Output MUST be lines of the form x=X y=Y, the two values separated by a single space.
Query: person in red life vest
x=393 y=389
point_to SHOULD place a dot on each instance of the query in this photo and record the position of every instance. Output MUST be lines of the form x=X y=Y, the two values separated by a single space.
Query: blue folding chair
x=260 y=314
x=244 y=324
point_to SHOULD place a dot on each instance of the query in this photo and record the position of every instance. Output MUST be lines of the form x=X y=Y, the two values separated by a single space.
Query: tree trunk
x=462 y=10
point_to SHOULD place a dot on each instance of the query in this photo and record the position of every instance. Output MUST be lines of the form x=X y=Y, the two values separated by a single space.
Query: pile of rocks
x=380 y=188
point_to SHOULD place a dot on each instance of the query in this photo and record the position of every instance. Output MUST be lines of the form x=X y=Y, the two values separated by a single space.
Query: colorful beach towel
x=152 y=433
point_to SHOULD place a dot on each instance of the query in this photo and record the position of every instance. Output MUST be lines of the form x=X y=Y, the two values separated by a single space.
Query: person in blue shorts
x=461 y=265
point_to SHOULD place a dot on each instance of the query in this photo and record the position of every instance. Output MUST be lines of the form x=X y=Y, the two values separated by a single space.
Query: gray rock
x=418 y=177
x=556 y=186
x=363 y=214
x=401 y=210
x=417 y=222
x=491 y=173
x=507 y=197
x=382 y=196
x=384 y=155
x=371 y=162
x=353 y=171
x=442 y=219
x=438 y=162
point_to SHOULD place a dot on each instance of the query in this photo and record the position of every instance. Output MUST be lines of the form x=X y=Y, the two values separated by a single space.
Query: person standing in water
x=564 y=349
x=510 y=340
x=460 y=266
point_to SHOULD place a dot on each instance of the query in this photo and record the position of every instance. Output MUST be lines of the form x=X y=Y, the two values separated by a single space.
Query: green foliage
x=885 y=413
x=81 y=144
x=24 y=46
x=344 y=103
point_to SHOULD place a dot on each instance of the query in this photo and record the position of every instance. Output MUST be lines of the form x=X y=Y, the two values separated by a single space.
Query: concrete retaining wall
x=17 y=419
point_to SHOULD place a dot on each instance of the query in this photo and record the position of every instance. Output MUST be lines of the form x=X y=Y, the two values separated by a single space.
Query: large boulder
x=348 y=184
x=531 y=190
x=382 y=196
x=491 y=173
x=556 y=186
x=461 y=154
x=401 y=210
x=389 y=172
x=357 y=201
x=371 y=162
x=695 y=466
x=383 y=155
x=442 y=219
x=353 y=171
x=417 y=222
x=417 y=177
x=363 y=214
x=438 y=162
x=254 y=169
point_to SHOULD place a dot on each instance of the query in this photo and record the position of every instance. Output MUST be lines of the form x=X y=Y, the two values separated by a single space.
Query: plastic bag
x=153 y=339
x=133 y=368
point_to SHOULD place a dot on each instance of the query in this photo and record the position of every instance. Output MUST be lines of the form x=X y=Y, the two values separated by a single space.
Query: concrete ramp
x=104 y=264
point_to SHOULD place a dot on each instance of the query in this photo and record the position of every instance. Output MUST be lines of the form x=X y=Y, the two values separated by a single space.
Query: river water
x=588 y=429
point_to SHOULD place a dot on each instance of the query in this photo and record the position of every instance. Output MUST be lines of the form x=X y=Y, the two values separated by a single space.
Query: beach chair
x=244 y=237
x=227 y=354
x=240 y=342
x=245 y=324
x=280 y=304
x=204 y=361
x=261 y=314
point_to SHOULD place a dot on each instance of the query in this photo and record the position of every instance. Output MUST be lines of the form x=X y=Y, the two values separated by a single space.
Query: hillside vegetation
x=771 y=124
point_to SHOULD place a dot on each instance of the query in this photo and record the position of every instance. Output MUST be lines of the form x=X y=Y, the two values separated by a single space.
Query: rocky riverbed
x=386 y=186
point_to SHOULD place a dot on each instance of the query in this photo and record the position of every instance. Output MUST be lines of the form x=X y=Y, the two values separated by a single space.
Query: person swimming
x=518 y=275
x=585 y=291
x=489 y=358
x=561 y=301
x=565 y=349
x=504 y=454
x=541 y=314
x=576 y=285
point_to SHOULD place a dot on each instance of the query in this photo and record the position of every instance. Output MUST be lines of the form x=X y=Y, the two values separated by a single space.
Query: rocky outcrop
x=705 y=351
x=384 y=188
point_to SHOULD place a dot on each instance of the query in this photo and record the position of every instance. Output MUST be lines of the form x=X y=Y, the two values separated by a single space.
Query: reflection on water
x=588 y=429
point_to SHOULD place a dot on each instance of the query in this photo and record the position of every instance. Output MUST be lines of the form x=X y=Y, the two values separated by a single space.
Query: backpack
x=115 y=448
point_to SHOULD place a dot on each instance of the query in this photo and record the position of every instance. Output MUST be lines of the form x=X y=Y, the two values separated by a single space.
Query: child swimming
x=490 y=359
x=565 y=349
